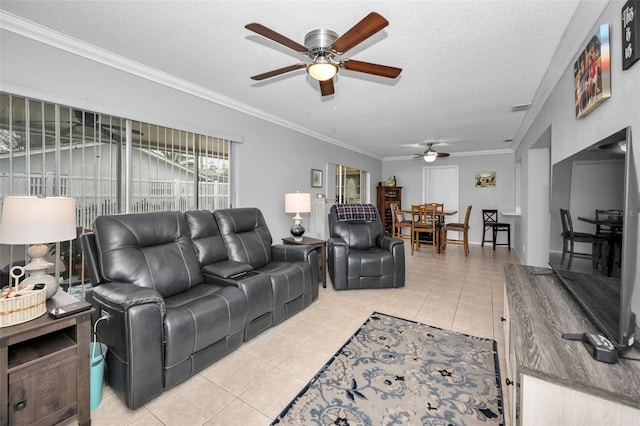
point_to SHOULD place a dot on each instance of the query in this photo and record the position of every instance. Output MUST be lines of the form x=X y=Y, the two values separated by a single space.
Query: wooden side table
x=320 y=246
x=44 y=366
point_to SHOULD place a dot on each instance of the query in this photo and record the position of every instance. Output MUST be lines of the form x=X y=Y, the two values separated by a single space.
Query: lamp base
x=38 y=277
x=37 y=269
x=297 y=231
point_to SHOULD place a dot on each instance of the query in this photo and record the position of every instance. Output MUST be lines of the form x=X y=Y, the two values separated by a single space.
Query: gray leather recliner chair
x=359 y=254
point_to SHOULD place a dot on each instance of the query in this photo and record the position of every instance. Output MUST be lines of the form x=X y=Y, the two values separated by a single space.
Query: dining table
x=441 y=220
x=615 y=225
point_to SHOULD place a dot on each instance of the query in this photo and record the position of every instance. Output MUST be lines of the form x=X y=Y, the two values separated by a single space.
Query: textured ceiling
x=465 y=63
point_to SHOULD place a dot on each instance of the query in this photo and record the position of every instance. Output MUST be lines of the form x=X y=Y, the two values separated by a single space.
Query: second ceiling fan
x=430 y=155
x=324 y=46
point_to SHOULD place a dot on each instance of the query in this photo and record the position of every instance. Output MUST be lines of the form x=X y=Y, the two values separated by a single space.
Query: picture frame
x=485 y=179
x=630 y=16
x=592 y=73
x=316 y=178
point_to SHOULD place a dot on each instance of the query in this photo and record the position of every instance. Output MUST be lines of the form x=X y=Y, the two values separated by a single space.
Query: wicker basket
x=18 y=309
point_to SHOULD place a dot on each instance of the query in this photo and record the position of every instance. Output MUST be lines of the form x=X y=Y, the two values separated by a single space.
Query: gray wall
x=271 y=159
x=569 y=135
x=409 y=175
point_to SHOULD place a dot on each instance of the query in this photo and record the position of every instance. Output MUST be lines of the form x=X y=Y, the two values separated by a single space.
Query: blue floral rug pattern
x=394 y=371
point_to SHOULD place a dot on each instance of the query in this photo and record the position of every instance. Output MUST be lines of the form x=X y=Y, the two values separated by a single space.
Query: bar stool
x=490 y=222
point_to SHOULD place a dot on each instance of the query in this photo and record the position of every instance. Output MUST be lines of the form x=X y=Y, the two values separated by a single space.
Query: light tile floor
x=254 y=383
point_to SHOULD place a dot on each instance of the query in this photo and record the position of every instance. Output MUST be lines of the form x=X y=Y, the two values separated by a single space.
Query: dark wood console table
x=556 y=381
x=44 y=368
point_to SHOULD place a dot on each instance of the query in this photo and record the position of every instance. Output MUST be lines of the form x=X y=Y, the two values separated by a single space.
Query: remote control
x=70 y=309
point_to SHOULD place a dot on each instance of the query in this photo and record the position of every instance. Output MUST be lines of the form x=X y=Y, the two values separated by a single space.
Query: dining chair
x=490 y=223
x=399 y=222
x=570 y=237
x=439 y=208
x=460 y=228
x=424 y=228
x=611 y=234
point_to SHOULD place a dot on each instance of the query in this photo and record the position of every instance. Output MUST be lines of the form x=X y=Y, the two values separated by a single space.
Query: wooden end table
x=320 y=246
x=44 y=367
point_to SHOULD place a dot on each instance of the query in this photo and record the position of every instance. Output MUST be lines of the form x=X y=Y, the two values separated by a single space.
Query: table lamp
x=38 y=220
x=297 y=203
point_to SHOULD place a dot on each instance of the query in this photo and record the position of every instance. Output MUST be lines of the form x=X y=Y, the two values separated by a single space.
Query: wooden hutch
x=386 y=196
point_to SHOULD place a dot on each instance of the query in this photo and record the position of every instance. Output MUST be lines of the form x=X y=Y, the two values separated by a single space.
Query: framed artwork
x=592 y=73
x=630 y=33
x=485 y=179
x=316 y=178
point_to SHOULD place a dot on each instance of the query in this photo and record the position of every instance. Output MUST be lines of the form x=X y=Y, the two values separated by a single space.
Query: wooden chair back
x=424 y=226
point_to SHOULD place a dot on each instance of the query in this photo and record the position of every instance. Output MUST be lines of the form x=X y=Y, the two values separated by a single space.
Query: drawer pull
x=508 y=382
x=18 y=406
x=503 y=319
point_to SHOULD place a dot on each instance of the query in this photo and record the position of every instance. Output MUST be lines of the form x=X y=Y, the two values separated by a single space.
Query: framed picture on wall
x=316 y=178
x=485 y=179
x=592 y=73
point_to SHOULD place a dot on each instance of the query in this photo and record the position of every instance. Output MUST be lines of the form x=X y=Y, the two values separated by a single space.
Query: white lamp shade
x=297 y=202
x=36 y=220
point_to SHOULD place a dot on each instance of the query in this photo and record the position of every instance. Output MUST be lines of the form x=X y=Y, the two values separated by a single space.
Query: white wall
x=409 y=175
x=271 y=160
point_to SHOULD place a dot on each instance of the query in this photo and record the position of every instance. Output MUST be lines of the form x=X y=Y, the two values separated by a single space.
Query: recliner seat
x=179 y=294
x=359 y=254
x=164 y=323
x=293 y=270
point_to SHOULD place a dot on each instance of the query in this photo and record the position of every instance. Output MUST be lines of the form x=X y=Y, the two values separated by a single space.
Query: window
x=108 y=164
x=350 y=184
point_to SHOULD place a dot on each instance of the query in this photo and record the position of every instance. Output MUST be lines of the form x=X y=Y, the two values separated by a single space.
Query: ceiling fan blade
x=326 y=87
x=369 y=68
x=368 y=26
x=277 y=37
x=279 y=71
x=443 y=154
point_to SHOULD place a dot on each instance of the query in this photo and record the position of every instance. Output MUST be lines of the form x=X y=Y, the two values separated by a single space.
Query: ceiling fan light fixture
x=322 y=69
x=430 y=156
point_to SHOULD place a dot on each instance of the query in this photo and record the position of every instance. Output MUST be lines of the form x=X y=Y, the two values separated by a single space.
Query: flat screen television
x=603 y=176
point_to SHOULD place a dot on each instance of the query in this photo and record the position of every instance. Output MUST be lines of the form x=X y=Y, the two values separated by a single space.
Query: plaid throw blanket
x=356 y=212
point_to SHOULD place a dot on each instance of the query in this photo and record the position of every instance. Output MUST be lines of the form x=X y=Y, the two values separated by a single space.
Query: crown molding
x=455 y=154
x=50 y=37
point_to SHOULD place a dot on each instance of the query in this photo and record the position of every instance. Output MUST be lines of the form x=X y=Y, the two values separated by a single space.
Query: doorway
x=440 y=185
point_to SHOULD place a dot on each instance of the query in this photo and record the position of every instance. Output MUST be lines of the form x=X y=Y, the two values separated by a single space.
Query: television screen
x=597 y=187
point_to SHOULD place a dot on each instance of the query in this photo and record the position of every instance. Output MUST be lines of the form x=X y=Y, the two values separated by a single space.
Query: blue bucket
x=97 y=357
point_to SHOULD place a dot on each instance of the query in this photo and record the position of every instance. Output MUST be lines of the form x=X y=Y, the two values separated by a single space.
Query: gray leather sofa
x=178 y=294
x=359 y=255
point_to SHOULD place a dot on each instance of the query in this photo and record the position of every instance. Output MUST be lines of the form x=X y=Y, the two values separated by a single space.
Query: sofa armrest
x=122 y=296
x=292 y=253
x=133 y=332
x=336 y=241
x=337 y=262
x=388 y=243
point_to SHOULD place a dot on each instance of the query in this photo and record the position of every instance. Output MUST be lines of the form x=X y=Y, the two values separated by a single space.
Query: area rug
x=394 y=371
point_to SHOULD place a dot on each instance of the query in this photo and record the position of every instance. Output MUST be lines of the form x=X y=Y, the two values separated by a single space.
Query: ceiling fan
x=431 y=154
x=324 y=47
